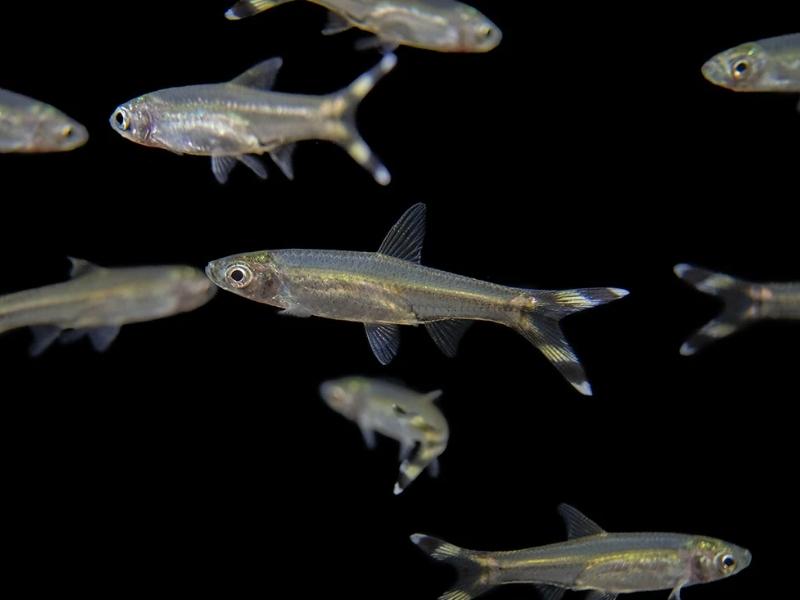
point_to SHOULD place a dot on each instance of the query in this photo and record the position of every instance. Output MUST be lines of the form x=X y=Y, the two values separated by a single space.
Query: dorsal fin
x=81 y=267
x=578 y=524
x=405 y=238
x=261 y=76
x=433 y=396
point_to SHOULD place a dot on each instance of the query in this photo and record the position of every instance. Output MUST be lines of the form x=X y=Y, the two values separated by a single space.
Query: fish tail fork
x=349 y=99
x=248 y=8
x=472 y=580
x=539 y=324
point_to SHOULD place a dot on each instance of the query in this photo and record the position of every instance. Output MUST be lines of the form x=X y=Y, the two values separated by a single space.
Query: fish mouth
x=715 y=71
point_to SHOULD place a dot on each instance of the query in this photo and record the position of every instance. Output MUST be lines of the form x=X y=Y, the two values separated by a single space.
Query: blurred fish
x=607 y=564
x=97 y=301
x=232 y=121
x=388 y=288
x=746 y=302
x=404 y=415
x=27 y=125
x=443 y=25
x=770 y=65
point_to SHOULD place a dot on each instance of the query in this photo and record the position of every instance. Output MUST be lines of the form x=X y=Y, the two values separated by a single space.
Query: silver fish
x=746 y=302
x=442 y=25
x=404 y=415
x=28 y=126
x=607 y=564
x=232 y=121
x=390 y=287
x=97 y=301
x=769 y=65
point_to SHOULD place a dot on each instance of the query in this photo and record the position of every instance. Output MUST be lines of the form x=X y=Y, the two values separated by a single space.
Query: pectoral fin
x=336 y=24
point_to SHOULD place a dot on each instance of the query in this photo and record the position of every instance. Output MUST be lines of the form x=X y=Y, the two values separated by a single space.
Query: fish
x=745 y=303
x=233 y=121
x=389 y=288
x=440 y=25
x=96 y=301
x=606 y=564
x=29 y=126
x=397 y=412
x=769 y=65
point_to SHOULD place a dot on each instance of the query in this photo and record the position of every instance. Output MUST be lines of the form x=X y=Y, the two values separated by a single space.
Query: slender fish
x=407 y=416
x=607 y=564
x=97 y=301
x=232 y=121
x=770 y=65
x=745 y=303
x=28 y=126
x=390 y=287
x=442 y=25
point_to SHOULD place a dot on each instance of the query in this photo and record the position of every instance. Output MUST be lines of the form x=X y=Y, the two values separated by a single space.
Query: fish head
x=742 y=69
x=476 y=33
x=344 y=395
x=133 y=121
x=254 y=276
x=53 y=131
x=713 y=559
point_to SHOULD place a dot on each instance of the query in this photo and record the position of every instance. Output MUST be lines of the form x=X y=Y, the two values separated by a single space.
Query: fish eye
x=67 y=131
x=741 y=69
x=728 y=562
x=122 y=120
x=239 y=275
x=486 y=31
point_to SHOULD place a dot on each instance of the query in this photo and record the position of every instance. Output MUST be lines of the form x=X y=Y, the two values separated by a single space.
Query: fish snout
x=746 y=558
x=716 y=71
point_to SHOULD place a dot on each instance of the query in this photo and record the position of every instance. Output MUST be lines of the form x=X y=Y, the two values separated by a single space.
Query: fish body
x=592 y=559
x=97 y=301
x=235 y=120
x=397 y=412
x=30 y=126
x=745 y=303
x=441 y=25
x=390 y=288
x=769 y=65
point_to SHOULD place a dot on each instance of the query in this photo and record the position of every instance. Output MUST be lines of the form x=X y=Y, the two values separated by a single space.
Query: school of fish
x=235 y=122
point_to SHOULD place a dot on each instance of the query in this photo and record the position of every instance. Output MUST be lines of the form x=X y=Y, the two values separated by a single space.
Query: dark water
x=195 y=457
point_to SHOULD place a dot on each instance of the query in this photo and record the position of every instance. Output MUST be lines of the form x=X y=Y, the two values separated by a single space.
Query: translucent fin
x=248 y=8
x=81 y=267
x=336 y=24
x=384 y=341
x=433 y=396
x=600 y=595
x=550 y=592
x=578 y=524
x=283 y=158
x=261 y=76
x=296 y=310
x=349 y=99
x=368 y=435
x=103 y=337
x=405 y=238
x=43 y=338
x=469 y=584
x=426 y=457
x=739 y=310
x=676 y=592
x=448 y=334
x=222 y=166
x=255 y=165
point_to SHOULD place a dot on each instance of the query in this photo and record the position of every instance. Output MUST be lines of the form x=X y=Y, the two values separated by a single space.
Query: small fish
x=407 y=416
x=97 y=301
x=607 y=564
x=746 y=302
x=390 y=287
x=28 y=126
x=441 y=25
x=770 y=65
x=232 y=121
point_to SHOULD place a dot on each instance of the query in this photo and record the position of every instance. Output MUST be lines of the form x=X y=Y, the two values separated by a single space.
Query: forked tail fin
x=248 y=8
x=737 y=295
x=471 y=574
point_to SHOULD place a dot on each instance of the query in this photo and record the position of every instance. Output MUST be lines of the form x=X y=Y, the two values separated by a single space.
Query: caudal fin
x=739 y=306
x=540 y=326
x=471 y=575
x=349 y=99
x=248 y=8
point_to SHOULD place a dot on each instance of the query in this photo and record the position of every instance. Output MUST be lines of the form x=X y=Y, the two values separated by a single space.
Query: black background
x=195 y=456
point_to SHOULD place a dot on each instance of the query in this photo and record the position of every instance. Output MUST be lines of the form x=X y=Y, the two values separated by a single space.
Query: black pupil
x=741 y=67
x=728 y=561
x=120 y=118
x=237 y=275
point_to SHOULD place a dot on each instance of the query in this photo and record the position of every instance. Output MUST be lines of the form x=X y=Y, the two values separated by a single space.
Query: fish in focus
x=769 y=65
x=30 y=126
x=606 y=564
x=745 y=302
x=235 y=120
x=97 y=301
x=390 y=287
x=441 y=25
x=404 y=415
